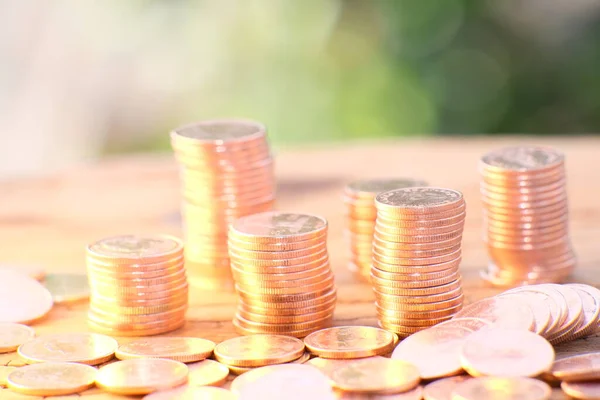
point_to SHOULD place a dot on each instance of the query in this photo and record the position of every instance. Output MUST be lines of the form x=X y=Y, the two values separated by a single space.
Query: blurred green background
x=85 y=78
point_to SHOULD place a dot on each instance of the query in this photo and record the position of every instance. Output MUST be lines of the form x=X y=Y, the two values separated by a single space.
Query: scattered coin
x=84 y=348
x=502 y=312
x=192 y=393
x=506 y=352
x=582 y=367
x=226 y=173
x=376 y=375
x=207 y=373
x=138 y=285
x=581 y=390
x=435 y=351
x=413 y=258
x=359 y=199
x=442 y=389
x=258 y=350
x=328 y=365
x=141 y=376
x=297 y=381
x=349 y=342
x=52 y=379
x=506 y=388
x=525 y=214
x=414 y=394
x=22 y=299
x=184 y=349
x=14 y=335
x=241 y=370
x=4 y=372
x=67 y=288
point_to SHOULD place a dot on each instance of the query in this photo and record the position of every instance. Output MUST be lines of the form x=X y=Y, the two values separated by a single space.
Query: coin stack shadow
x=136 y=295
x=226 y=173
x=524 y=196
x=282 y=274
x=359 y=199
x=416 y=256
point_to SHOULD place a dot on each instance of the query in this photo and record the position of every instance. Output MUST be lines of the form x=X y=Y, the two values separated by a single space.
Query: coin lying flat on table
x=242 y=370
x=581 y=390
x=258 y=350
x=84 y=348
x=141 y=376
x=349 y=342
x=507 y=388
x=52 y=379
x=184 y=349
x=14 y=335
x=414 y=394
x=67 y=288
x=329 y=365
x=297 y=381
x=442 y=389
x=29 y=300
x=582 y=367
x=376 y=375
x=207 y=373
x=192 y=393
x=506 y=352
x=4 y=372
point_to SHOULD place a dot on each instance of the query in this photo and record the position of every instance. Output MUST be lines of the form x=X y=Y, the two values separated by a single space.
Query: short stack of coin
x=282 y=275
x=138 y=285
x=226 y=173
x=416 y=256
x=359 y=198
x=526 y=216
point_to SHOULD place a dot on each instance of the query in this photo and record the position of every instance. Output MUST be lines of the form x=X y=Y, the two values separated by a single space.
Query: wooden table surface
x=48 y=221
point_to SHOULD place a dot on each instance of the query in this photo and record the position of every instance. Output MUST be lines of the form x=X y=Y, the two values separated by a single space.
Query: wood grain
x=48 y=220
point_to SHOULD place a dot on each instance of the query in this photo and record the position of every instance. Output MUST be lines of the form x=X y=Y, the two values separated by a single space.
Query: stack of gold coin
x=138 y=285
x=526 y=216
x=359 y=199
x=282 y=274
x=416 y=255
x=226 y=173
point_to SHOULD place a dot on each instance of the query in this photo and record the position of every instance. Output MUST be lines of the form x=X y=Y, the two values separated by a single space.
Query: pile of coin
x=559 y=313
x=138 y=285
x=359 y=199
x=579 y=375
x=282 y=275
x=416 y=255
x=226 y=173
x=526 y=216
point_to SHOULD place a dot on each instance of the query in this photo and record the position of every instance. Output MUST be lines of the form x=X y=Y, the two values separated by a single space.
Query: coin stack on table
x=282 y=275
x=526 y=216
x=416 y=256
x=226 y=173
x=138 y=285
x=359 y=198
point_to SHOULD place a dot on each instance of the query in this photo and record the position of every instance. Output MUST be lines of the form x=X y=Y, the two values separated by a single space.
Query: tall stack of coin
x=359 y=198
x=526 y=216
x=416 y=255
x=282 y=275
x=226 y=173
x=138 y=285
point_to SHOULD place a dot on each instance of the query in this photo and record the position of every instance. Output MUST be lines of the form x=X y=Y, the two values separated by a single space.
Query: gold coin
x=581 y=390
x=506 y=352
x=582 y=367
x=502 y=312
x=419 y=291
x=67 y=288
x=84 y=348
x=184 y=349
x=442 y=389
x=137 y=331
x=241 y=370
x=328 y=365
x=207 y=373
x=141 y=376
x=273 y=227
x=418 y=200
x=574 y=312
x=192 y=393
x=541 y=312
x=283 y=328
x=471 y=323
x=258 y=350
x=14 y=335
x=349 y=342
x=434 y=351
x=297 y=381
x=376 y=375
x=130 y=249
x=414 y=394
x=502 y=388
x=4 y=372
x=30 y=301
x=52 y=379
